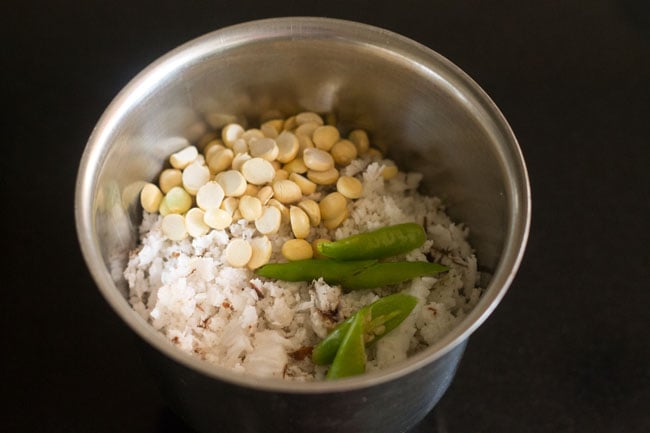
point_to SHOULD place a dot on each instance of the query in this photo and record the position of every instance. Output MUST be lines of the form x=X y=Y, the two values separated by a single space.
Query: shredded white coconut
x=232 y=318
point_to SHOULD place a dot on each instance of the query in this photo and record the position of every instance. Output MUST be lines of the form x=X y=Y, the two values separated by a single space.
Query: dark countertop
x=567 y=350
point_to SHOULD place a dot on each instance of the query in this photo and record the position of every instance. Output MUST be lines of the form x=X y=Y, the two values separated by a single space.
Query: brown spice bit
x=301 y=353
x=205 y=322
x=176 y=340
x=328 y=315
x=459 y=261
x=175 y=254
x=226 y=304
x=258 y=290
x=435 y=312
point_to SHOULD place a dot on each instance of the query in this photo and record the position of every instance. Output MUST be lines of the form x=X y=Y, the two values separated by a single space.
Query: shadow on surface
x=434 y=422
x=169 y=422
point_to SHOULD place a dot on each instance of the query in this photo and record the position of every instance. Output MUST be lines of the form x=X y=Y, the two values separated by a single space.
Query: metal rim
x=518 y=191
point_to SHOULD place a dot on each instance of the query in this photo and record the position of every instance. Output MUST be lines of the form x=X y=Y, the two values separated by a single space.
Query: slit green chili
x=351 y=275
x=385 y=314
x=389 y=273
x=350 y=358
x=377 y=244
x=332 y=271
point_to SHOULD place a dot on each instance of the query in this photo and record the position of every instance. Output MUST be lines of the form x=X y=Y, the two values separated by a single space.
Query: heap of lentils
x=269 y=176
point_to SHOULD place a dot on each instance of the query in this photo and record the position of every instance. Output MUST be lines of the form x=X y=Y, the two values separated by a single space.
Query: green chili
x=385 y=315
x=332 y=271
x=351 y=275
x=384 y=274
x=350 y=357
x=377 y=244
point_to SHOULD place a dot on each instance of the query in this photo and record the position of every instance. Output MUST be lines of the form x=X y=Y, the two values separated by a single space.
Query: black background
x=567 y=350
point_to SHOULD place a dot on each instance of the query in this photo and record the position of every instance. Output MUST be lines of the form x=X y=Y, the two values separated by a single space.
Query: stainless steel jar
x=427 y=114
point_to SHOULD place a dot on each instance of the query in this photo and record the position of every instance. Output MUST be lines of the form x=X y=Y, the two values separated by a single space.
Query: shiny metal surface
x=426 y=113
